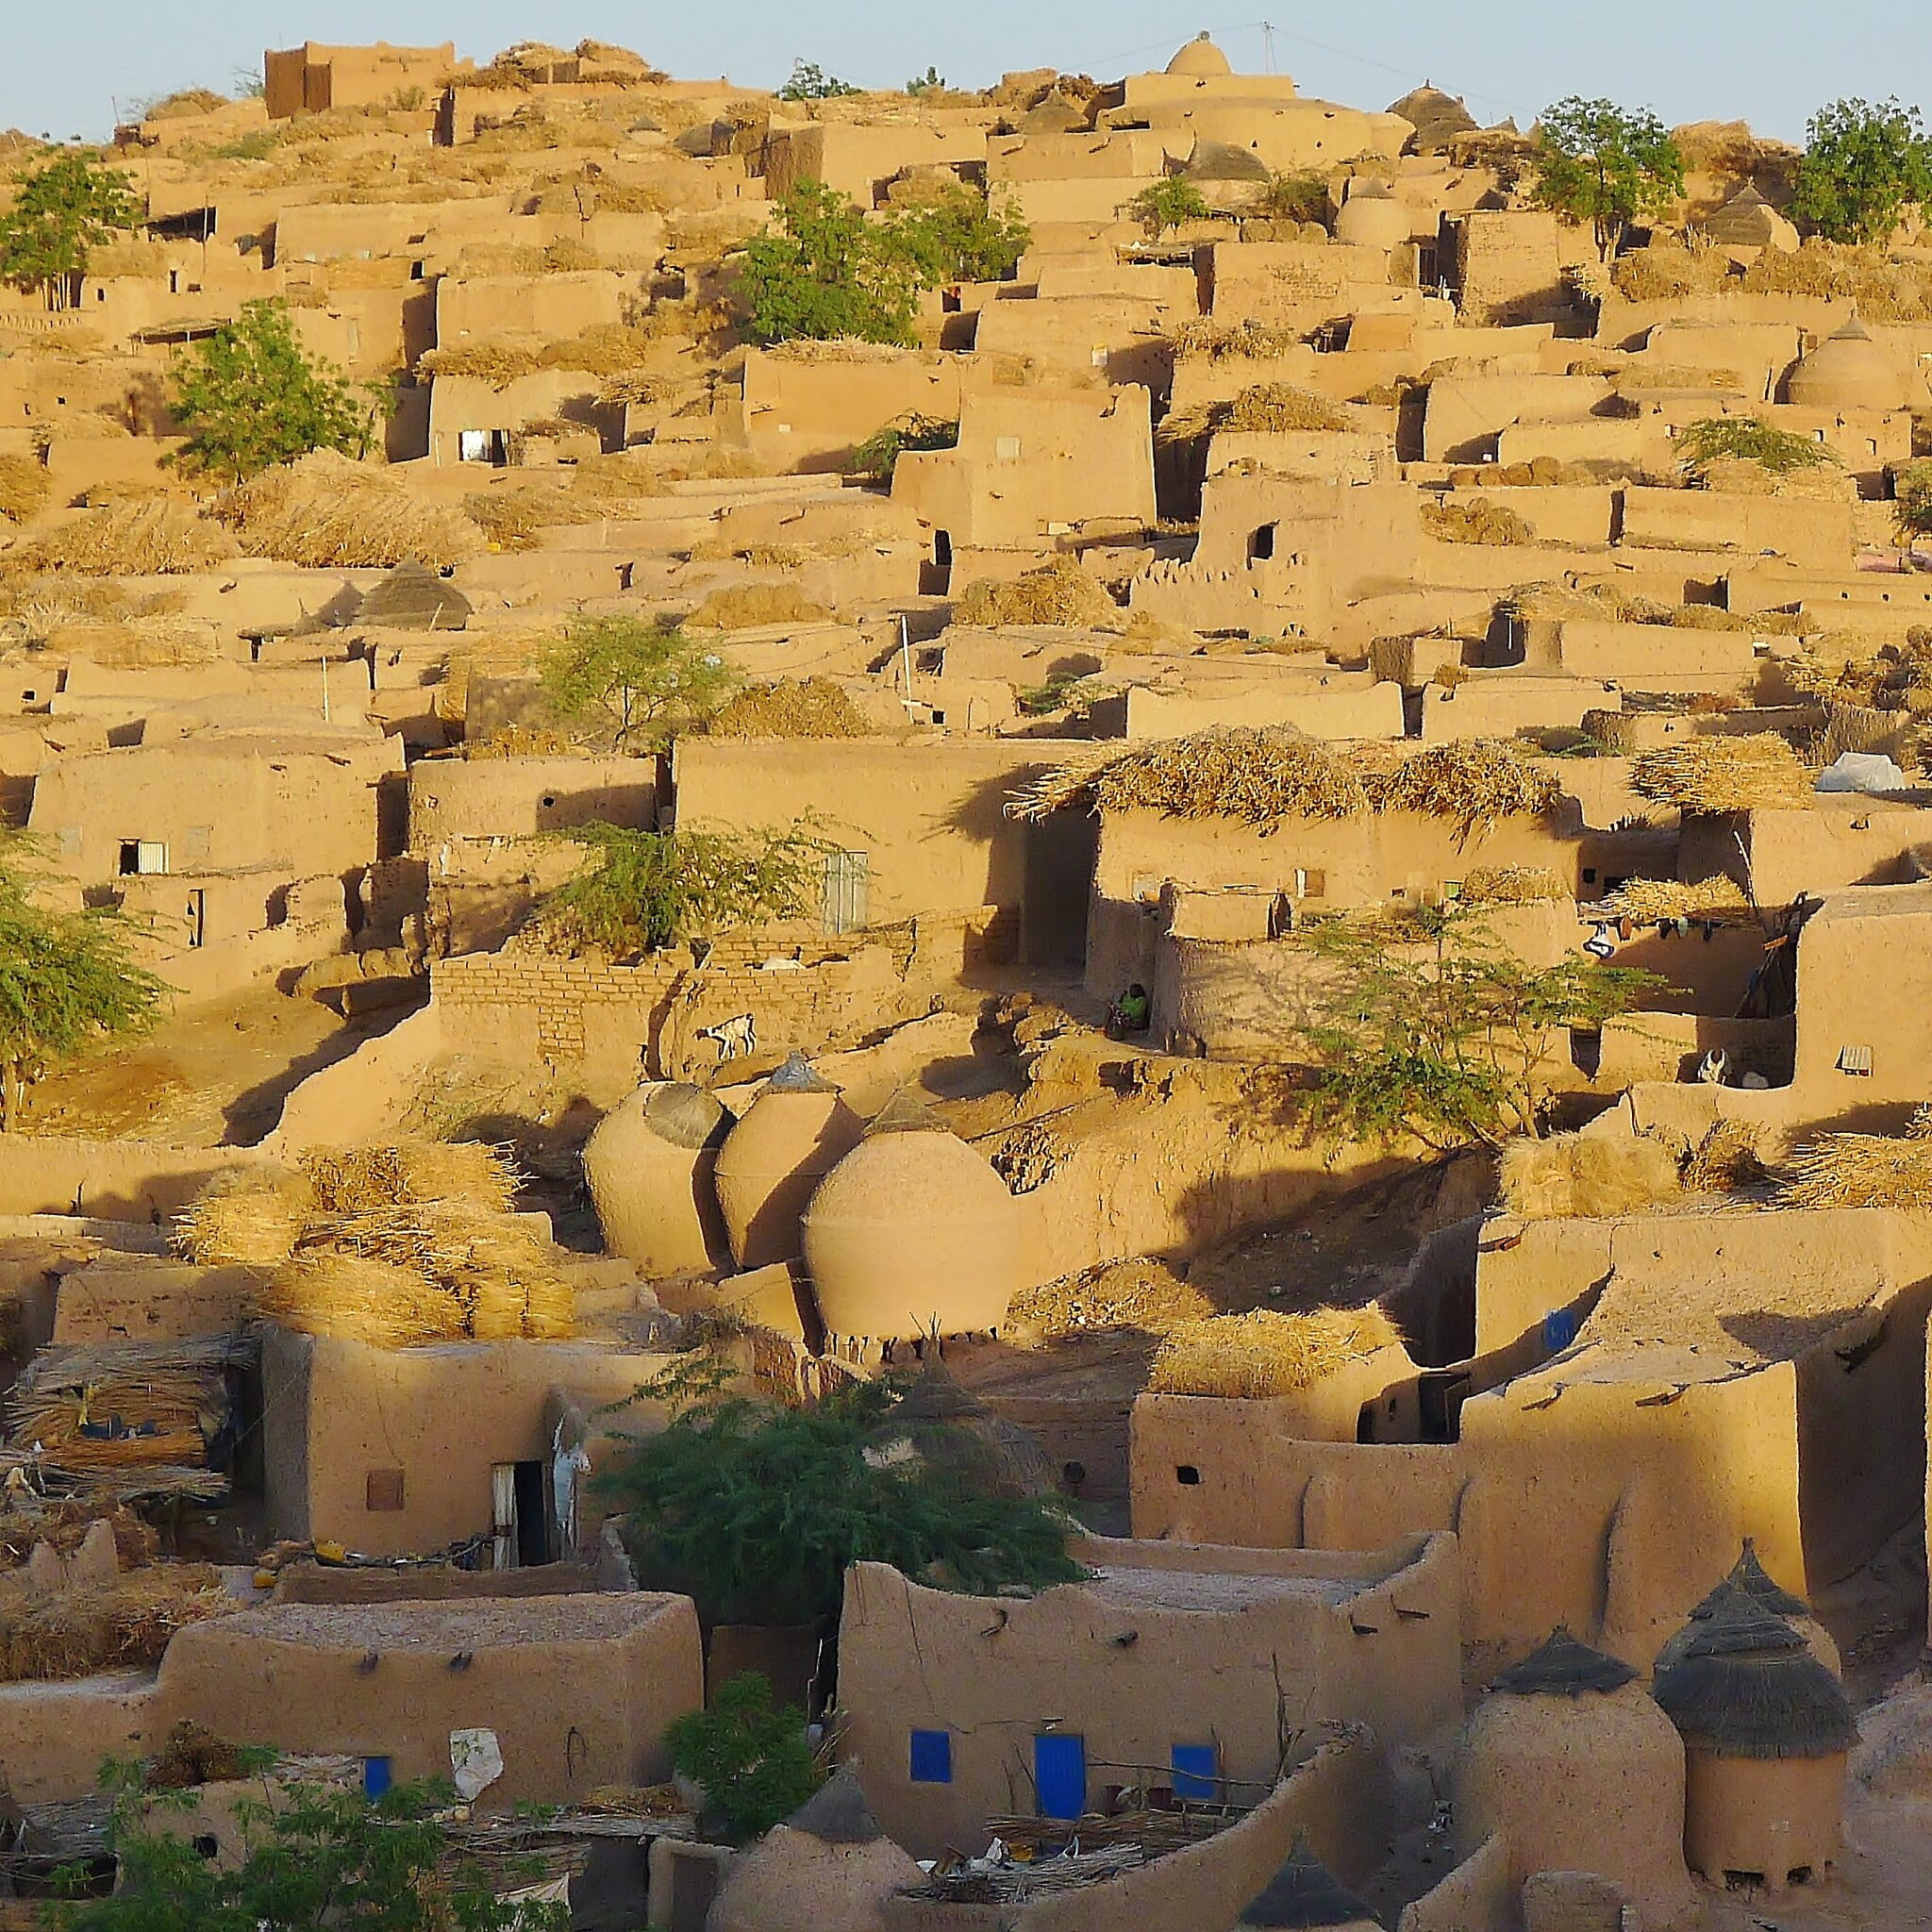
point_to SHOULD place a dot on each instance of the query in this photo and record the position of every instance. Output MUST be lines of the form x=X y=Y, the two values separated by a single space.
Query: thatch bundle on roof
x=123 y=1625
x=1264 y=1354
x=1586 y=1176
x=396 y=1244
x=1479 y=520
x=1219 y=342
x=1059 y=592
x=1511 y=885
x=1141 y=1294
x=1718 y=901
x=151 y=535
x=1256 y=777
x=1865 y=1170
x=129 y=1417
x=327 y=512
x=516 y=518
x=1725 y=1160
x=1473 y=781
x=791 y=707
x=1265 y=407
x=1747 y=1686
x=1722 y=774
x=952 y=1428
x=750 y=606
x=23 y=487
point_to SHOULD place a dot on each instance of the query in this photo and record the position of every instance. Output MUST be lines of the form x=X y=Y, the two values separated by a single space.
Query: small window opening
x=1186 y=1474
x=1261 y=543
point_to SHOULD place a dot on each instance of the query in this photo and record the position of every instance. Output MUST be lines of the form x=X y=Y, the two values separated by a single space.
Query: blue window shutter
x=932 y=1758
x=1196 y=1772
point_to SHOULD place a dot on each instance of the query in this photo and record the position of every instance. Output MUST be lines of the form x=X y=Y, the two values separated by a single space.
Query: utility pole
x=1268 y=46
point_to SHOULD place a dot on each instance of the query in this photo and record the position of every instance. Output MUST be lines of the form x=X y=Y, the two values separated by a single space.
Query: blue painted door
x=1060 y=1774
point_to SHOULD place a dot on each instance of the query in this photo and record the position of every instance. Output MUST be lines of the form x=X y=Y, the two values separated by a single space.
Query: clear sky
x=65 y=64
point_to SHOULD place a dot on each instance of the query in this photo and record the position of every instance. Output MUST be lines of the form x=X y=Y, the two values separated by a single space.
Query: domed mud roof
x=1199 y=60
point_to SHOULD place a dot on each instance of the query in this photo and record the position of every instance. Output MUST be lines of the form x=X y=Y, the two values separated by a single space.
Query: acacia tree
x=314 y=1860
x=1437 y=1030
x=61 y=213
x=1911 y=490
x=249 y=398
x=1167 y=204
x=1606 y=165
x=1864 y=165
x=826 y=274
x=640 y=682
x=66 y=979
x=757 y=1511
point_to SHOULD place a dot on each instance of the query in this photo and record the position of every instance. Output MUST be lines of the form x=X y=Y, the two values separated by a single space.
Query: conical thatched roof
x=1750 y=1576
x=1747 y=1687
x=951 y=1426
x=1563 y=1666
x=1303 y=1894
x=797 y=1075
x=412 y=597
x=686 y=1116
x=837 y=1813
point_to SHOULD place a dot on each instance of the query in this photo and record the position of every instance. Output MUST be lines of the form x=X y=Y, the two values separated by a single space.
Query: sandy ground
x=213 y=1076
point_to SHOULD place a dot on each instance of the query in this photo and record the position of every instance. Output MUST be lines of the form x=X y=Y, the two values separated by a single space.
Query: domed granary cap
x=798 y=1075
x=1746 y=1686
x=837 y=1813
x=1305 y=1893
x=1561 y=1666
x=686 y=1116
x=906 y=1113
x=1199 y=60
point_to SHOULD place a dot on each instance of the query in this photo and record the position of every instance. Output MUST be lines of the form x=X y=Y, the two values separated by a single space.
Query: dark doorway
x=1056 y=877
x=532 y=1517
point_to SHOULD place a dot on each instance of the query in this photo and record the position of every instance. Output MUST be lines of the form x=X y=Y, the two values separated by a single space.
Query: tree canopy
x=757 y=1511
x=1431 y=1026
x=832 y=272
x=66 y=979
x=315 y=1860
x=1864 y=166
x=635 y=682
x=1606 y=165
x=754 y=1763
x=61 y=213
x=1912 y=499
x=1168 y=204
x=249 y=398
x=810 y=82
x=645 y=890
x=1750 y=439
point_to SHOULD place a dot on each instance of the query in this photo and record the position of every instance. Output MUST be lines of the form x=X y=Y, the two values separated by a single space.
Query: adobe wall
x=1342 y=706
x=113 y=1300
x=1466 y=414
x=1814 y=535
x=55 y=1736
x=524 y=798
x=1838 y=842
x=1657 y=656
x=578 y=1688
x=805 y=415
x=334 y=1410
x=1055 y=1661
x=555 y=305
x=1499 y=704
x=1863 y=984
x=112 y=1180
x=930 y=815
x=1479 y=1895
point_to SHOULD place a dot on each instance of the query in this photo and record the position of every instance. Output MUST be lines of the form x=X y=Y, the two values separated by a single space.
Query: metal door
x=1060 y=1774
x=848 y=881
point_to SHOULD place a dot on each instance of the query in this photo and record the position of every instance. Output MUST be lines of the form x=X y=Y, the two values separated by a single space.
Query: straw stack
x=1257 y=1355
x=1587 y=1176
x=1059 y=592
x=791 y=707
x=1474 y=782
x=152 y=536
x=1254 y=776
x=329 y=513
x=1144 y=1295
x=1511 y=885
x=1725 y=1159
x=123 y=1626
x=1865 y=1170
x=1266 y=407
x=1652 y=902
x=1719 y=774
x=346 y=1181
x=247 y=1218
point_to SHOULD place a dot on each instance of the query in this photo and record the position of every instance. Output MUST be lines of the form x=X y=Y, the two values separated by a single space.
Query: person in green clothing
x=1130 y=1013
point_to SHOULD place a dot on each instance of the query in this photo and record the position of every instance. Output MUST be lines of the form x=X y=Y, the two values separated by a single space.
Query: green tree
x=878 y=455
x=66 y=981
x=810 y=82
x=61 y=213
x=249 y=398
x=315 y=1860
x=636 y=682
x=1606 y=165
x=1750 y=439
x=1168 y=204
x=755 y=1764
x=1864 y=165
x=828 y=273
x=1911 y=490
x=645 y=890
x=1432 y=1027
x=932 y=82
x=1300 y=196
x=758 y=1511
x=959 y=235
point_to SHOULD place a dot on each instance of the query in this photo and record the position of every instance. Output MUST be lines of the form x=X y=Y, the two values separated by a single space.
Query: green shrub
x=755 y=1763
